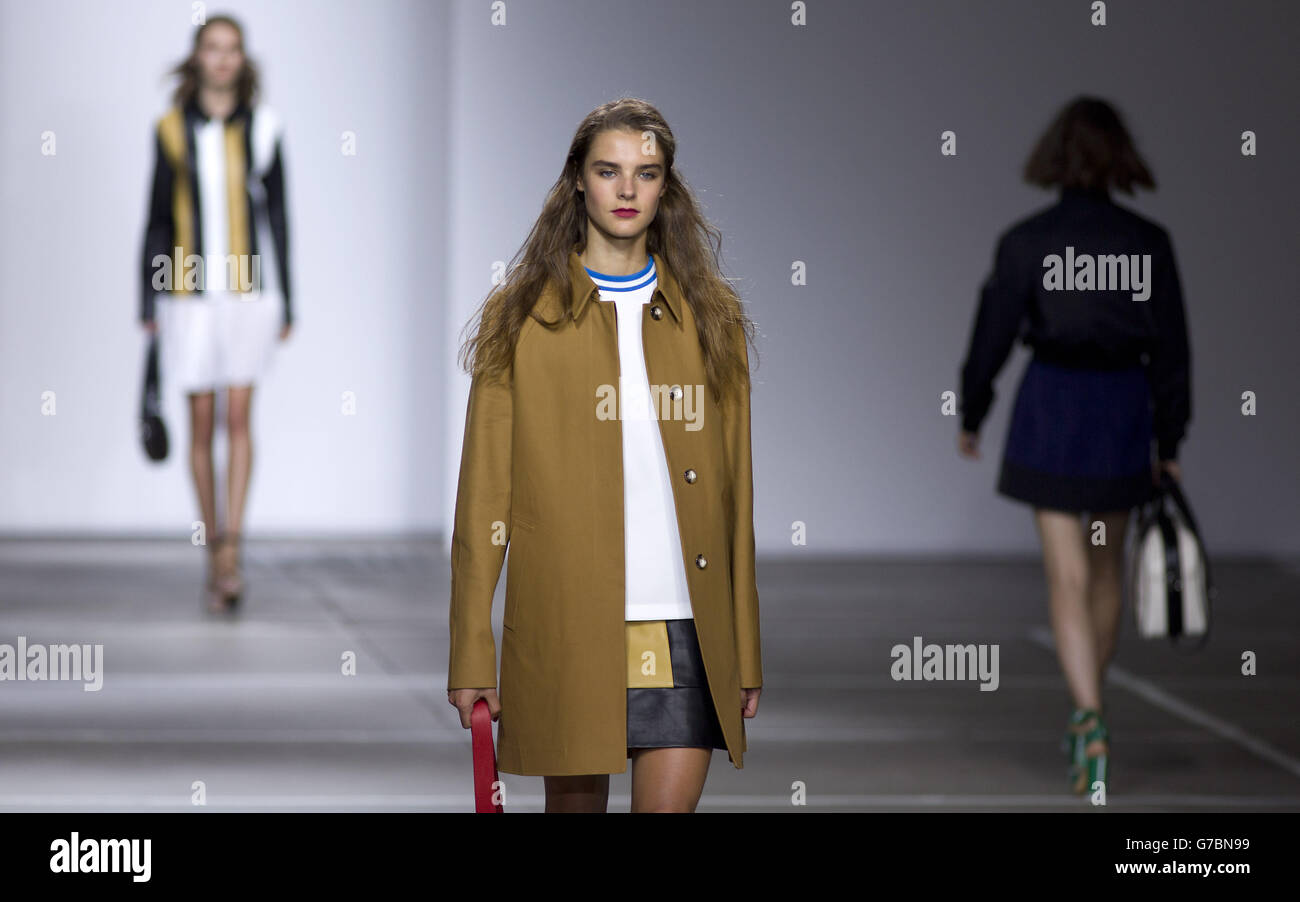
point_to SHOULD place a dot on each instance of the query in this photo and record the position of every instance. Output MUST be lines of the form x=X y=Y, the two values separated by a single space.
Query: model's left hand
x=284 y=331
x=749 y=701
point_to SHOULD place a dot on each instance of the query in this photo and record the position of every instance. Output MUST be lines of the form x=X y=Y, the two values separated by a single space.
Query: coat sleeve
x=1169 y=363
x=482 y=515
x=277 y=214
x=1004 y=301
x=158 y=229
x=744 y=584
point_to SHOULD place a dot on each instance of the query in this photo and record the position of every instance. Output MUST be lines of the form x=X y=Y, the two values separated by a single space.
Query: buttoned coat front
x=541 y=475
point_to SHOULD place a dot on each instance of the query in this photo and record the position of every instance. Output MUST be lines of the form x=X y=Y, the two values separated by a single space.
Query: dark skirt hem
x=672 y=718
x=1074 y=493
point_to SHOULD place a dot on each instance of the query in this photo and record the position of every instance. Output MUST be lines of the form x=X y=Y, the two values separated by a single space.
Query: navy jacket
x=1074 y=323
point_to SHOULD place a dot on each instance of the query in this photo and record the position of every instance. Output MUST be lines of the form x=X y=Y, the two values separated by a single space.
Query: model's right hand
x=464 y=700
x=1171 y=466
x=150 y=326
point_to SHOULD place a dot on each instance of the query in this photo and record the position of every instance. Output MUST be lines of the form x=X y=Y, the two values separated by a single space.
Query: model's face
x=622 y=180
x=220 y=56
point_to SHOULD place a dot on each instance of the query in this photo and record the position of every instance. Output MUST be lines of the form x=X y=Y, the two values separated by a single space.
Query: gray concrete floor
x=255 y=709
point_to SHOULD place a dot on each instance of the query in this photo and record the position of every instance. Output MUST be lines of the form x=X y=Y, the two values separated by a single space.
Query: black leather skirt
x=668 y=698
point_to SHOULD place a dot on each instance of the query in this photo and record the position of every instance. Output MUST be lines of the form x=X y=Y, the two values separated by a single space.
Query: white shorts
x=216 y=339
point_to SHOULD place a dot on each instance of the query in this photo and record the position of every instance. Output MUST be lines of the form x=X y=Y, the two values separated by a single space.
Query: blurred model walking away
x=1093 y=289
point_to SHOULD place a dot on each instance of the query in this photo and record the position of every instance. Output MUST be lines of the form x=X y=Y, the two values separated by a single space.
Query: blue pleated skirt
x=1079 y=439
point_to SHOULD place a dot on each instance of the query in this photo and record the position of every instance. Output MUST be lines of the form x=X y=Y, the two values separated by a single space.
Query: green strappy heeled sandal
x=1072 y=741
x=1086 y=728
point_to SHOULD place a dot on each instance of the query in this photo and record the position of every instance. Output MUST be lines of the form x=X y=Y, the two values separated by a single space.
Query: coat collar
x=583 y=289
x=1076 y=193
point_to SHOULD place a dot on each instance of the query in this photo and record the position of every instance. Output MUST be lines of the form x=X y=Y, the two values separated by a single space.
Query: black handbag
x=153 y=432
x=1169 y=571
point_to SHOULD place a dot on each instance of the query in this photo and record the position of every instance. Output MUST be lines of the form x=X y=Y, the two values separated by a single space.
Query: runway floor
x=255 y=714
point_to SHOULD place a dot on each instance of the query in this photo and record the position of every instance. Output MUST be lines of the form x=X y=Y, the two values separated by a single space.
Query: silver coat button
x=700 y=561
x=690 y=476
x=656 y=311
x=675 y=393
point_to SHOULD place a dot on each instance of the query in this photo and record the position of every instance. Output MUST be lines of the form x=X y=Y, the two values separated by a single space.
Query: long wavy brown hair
x=680 y=234
x=1088 y=146
x=188 y=68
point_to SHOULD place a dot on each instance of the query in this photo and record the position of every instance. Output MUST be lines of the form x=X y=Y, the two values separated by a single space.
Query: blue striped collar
x=635 y=282
x=550 y=306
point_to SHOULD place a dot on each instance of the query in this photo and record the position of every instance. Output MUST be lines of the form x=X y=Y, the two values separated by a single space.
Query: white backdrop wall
x=367 y=250
x=817 y=144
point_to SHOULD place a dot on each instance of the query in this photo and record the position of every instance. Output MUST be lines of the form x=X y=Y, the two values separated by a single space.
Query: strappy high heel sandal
x=212 y=589
x=1072 y=740
x=230 y=582
x=1089 y=763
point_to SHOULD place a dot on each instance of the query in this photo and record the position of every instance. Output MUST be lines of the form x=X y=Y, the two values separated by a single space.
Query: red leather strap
x=485 y=759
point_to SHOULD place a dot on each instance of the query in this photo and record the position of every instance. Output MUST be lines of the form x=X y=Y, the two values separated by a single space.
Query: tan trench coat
x=542 y=471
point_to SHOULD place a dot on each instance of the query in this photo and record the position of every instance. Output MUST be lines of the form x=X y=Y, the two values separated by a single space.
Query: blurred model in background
x=1093 y=289
x=215 y=279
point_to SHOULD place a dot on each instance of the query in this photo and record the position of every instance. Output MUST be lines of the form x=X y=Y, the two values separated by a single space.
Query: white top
x=214 y=203
x=655 y=574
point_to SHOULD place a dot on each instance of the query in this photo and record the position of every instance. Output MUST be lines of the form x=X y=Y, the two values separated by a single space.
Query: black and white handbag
x=1169 y=572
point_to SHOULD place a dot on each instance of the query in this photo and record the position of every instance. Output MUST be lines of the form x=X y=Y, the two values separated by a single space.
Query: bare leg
x=229 y=579
x=201 y=423
x=238 y=402
x=1106 y=585
x=670 y=779
x=587 y=793
x=1066 y=563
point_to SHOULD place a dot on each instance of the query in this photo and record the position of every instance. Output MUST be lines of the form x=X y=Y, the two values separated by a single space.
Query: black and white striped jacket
x=218 y=190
